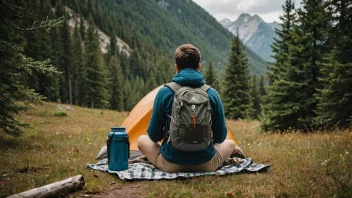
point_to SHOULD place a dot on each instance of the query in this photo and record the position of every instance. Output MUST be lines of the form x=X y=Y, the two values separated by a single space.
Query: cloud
x=269 y=10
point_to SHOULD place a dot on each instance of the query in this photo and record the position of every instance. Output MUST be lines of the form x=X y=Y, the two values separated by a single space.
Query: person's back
x=168 y=158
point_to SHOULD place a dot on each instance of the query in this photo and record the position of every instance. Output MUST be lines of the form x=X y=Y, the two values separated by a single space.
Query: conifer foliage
x=335 y=95
x=235 y=87
x=211 y=77
x=254 y=94
x=94 y=71
x=311 y=77
x=15 y=66
x=283 y=105
x=116 y=84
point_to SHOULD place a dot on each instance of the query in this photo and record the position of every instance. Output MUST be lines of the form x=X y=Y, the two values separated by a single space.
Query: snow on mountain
x=225 y=22
x=254 y=33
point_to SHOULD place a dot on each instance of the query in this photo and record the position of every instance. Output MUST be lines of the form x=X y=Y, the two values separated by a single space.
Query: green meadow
x=61 y=139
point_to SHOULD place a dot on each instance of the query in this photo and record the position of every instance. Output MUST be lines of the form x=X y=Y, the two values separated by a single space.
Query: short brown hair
x=187 y=56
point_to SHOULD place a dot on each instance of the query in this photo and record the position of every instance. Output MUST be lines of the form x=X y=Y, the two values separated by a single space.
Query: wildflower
x=324 y=162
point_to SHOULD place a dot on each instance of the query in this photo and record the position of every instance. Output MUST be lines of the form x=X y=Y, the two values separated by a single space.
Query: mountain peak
x=274 y=23
x=244 y=17
x=255 y=33
x=225 y=22
x=257 y=18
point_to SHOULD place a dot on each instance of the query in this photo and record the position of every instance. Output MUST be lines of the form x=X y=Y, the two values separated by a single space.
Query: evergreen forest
x=110 y=53
x=310 y=82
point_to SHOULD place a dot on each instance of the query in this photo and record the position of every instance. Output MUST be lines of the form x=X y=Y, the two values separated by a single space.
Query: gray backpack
x=190 y=125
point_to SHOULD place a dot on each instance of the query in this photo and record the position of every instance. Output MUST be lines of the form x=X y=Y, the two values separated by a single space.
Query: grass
x=54 y=148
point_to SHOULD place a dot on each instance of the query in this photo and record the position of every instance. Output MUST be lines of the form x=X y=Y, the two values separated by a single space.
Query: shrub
x=60 y=114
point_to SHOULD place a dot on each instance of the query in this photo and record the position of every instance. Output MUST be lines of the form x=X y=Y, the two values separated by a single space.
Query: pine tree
x=211 y=77
x=312 y=37
x=282 y=45
x=116 y=85
x=137 y=67
x=282 y=105
x=254 y=99
x=151 y=82
x=335 y=96
x=262 y=91
x=48 y=86
x=82 y=28
x=15 y=66
x=127 y=95
x=62 y=54
x=77 y=66
x=94 y=74
x=235 y=86
x=290 y=102
x=124 y=63
x=67 y=60
x=39 y=48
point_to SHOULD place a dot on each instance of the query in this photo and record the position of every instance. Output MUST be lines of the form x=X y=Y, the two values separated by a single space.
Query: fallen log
x=54 y=189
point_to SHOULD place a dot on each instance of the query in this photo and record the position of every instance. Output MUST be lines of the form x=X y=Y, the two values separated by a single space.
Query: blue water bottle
x=118 y=146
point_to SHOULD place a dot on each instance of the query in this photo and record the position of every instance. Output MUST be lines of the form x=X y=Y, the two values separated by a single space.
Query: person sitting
x=176 y=154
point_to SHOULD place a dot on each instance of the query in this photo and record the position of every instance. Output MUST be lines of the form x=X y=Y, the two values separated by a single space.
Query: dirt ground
x=129 y=190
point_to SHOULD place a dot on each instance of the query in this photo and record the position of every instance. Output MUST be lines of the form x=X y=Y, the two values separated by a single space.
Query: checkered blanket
x=138 y=169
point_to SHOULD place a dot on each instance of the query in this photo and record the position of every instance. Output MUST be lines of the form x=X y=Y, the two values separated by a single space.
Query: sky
x=268 y=10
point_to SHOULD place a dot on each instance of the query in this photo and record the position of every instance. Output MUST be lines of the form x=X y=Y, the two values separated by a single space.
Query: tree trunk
x=70 y=88
x=92 y=101
x=55 y=189
x=76 y=91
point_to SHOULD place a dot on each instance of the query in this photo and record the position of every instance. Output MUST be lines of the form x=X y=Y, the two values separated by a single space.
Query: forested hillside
x=96 y=72
x=165 y=24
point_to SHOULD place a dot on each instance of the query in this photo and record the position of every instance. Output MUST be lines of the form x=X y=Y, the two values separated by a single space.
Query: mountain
x=275 y=25
x=166 y=24
x=255 y=33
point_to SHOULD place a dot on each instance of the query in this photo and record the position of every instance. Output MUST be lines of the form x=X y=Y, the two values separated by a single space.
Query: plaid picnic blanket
x=139 y=169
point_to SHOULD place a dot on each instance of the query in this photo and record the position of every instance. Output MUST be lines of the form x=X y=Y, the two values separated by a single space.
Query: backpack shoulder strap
x=173 y=86
x=205 y=87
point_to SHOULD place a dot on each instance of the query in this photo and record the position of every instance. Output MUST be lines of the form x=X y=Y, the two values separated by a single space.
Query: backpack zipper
x=194 y=118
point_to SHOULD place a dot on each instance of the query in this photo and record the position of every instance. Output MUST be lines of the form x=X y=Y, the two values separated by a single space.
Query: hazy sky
x=268 y=10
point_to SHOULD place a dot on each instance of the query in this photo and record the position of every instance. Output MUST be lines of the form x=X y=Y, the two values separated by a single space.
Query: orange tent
x=138 y=119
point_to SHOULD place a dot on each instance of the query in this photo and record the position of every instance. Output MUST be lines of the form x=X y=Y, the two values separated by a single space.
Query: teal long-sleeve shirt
x=159 y=122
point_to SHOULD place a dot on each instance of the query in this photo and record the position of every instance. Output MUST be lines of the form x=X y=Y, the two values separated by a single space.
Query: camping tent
x=138 y=119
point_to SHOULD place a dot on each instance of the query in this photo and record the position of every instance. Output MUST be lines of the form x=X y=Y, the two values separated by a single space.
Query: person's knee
x=142 y=140
x=226 y=148
x=231 y=143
